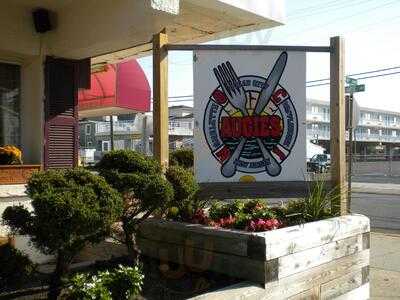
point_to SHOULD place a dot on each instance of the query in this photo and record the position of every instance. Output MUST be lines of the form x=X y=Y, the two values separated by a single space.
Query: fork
x=231 y=86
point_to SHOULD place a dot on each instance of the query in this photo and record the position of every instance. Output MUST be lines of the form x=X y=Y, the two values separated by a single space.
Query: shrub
x=128 y=161
x=120 y=283
x=10 y=155
x=16 y=267
x=185 y=192
x=182 y=157
x=70 y=208
x=139 y=180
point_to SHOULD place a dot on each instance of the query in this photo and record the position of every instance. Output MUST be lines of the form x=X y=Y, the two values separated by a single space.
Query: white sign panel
x=250 y=112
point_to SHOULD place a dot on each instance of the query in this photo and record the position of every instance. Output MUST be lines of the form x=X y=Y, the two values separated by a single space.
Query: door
x=61 y=113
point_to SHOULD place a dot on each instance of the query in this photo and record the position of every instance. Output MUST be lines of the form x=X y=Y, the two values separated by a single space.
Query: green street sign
x=360 y=88
x=351 y=81
x=351 y=89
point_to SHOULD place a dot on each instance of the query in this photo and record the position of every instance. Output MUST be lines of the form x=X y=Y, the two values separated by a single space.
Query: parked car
x=319 y=163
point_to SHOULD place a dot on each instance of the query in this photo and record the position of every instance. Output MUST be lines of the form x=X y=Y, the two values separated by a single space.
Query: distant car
x=319 y=163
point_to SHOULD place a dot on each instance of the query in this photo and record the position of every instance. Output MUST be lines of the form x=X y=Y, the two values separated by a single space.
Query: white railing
x=181 y=128
x=361 y=137
x=119 y=127
x=317 y=117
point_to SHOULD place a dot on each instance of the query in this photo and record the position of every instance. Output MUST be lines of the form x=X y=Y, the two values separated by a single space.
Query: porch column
x=160 y=98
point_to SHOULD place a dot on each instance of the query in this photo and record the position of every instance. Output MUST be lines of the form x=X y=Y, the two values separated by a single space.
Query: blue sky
x=371 y=29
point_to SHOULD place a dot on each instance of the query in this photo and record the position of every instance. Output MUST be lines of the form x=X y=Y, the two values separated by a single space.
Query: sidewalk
x=375 y=188
x=385 y=265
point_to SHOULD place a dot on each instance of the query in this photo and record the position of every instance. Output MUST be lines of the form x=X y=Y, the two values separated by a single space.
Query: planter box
x=323 y=259
x=17 y=174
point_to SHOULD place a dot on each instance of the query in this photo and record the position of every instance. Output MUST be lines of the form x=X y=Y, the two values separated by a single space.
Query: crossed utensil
x=236 y=96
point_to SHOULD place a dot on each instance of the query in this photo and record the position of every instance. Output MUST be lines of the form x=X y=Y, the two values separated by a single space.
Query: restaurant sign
x=250 y=111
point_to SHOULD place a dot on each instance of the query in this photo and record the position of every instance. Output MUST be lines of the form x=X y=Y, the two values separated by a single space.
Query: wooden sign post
x=338 y=126
x=252 y=189
x=160 y=98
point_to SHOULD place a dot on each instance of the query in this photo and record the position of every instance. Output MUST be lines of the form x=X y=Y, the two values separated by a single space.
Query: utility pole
x=112 y=132
x=353 y=87
x=350 y=127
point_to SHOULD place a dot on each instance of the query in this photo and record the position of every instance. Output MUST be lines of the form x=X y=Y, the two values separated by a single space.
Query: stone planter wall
x=319 y=260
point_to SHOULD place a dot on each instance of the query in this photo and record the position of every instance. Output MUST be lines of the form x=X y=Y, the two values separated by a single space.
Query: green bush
x=139 y=180
x=16 y=267
x=128 y=161
x=70 y=208
x=185 y=192
x=182 y=157
x=121 y=283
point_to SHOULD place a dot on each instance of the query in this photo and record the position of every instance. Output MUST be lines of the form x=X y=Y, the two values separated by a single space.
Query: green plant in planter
x=139 y=180
x=316 y=206
x=220 y=210
x=182 y=157
x=70 y=208
x=16 y=267
x=186 y=202
x=120 y=283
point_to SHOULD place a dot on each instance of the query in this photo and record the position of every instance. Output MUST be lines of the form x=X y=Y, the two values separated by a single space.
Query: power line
x=360 y=78
x=356 y=74
x=343 y=18
x=180 y=98
x=332 y=9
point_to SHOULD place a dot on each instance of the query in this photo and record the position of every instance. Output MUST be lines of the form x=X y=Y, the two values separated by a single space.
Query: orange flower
x=10 y=155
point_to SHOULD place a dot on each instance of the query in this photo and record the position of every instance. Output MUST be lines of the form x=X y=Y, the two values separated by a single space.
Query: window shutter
x=61 y=113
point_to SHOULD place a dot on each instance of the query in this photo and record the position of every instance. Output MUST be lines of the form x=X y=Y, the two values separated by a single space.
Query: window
x=10 y=90
x=314 y=109
x=88 y=129
x=105 y=146
x=394 y=133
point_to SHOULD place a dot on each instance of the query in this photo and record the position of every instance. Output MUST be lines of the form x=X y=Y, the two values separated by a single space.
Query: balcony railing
x=119 y=127
x=179 y=128
x=361 y=137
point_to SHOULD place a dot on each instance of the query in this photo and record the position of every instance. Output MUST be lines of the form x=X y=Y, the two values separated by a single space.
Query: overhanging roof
x=92 y=28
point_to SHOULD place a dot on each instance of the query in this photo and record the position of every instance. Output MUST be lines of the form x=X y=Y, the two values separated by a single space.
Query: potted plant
x=298 y=249
x=12 y=170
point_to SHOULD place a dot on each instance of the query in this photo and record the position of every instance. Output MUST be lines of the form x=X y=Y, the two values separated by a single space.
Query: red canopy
x=119 y=89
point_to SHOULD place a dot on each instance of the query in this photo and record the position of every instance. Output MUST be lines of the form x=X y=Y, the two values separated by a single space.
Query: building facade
x=377 y=131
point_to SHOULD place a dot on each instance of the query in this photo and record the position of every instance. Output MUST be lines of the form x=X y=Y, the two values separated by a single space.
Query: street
x=383 y=210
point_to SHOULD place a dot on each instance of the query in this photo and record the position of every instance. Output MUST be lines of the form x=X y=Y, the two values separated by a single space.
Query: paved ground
x=385 y=265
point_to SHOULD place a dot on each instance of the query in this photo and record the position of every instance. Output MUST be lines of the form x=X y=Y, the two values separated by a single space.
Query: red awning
x=119 y=89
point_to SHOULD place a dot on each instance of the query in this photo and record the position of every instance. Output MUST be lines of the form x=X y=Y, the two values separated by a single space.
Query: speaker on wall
x=41 y=19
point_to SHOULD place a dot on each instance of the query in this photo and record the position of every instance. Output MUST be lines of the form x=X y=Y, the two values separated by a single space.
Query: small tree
x=70 y=208
x=139 y=179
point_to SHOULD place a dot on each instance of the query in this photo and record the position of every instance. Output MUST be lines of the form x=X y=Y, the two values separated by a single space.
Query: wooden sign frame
x=277 y=189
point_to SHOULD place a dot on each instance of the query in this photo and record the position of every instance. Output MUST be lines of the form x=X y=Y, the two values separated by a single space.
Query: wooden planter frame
x=337 y=119
x=318 y=260
x=17 y=174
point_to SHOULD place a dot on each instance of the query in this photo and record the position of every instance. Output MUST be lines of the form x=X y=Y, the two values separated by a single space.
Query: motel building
x=47 y=59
